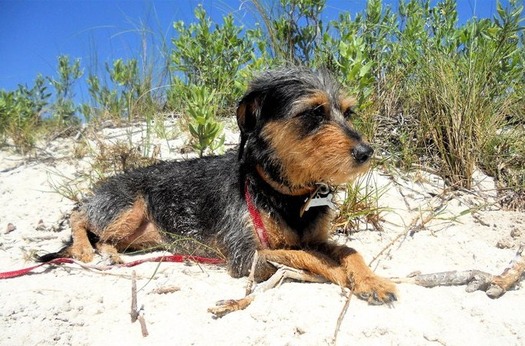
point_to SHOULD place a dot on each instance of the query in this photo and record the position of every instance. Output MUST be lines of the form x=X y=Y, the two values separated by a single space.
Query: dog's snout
x=362 y=152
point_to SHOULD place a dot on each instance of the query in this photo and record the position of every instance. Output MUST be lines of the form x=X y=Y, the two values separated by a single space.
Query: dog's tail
x=65 y=252
x=54 y=255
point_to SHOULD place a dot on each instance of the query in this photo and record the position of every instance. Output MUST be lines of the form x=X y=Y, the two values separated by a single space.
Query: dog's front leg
x=312 y=261
x=364 y=282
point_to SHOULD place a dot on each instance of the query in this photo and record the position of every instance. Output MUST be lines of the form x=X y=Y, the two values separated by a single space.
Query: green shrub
x=201 y=110
x=127 y=97
x=63 y=109
x=209 y=56
x=20 y=114
x=294 y=29
x=464 y=89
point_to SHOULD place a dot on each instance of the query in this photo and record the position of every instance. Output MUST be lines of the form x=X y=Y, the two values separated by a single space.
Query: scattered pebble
x=41 y=226
x=512 y=240
x=516 y=233
x=505 y=243
x=166 y=289
x=10 y=228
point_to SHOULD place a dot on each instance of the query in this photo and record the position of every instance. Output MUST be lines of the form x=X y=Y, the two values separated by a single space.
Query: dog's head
x=295 y=129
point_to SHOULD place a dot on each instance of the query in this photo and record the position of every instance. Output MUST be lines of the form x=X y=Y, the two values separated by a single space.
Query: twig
x=142 y=322
x=474 y=279
x=478 y=219
x=510 y=276
x=101 y=272
x=283 y=272
x=342 y=316
x=134 y=312
x=387 y=248
x=251 y=278
x=165 y=290
x=137 y=314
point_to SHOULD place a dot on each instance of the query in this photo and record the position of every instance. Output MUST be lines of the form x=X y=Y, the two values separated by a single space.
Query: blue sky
x=34 y=32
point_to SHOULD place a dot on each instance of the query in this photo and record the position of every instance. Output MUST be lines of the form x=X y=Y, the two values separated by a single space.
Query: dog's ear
x=248 y=113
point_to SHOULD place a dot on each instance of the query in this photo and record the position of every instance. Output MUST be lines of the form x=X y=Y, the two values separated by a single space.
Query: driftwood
x=475 y=280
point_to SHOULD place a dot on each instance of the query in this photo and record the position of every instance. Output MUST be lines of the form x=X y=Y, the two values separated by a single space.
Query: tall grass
x=457 y=119
x=465 y=90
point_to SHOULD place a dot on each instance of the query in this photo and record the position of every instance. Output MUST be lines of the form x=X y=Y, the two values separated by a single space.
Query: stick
x=137 y=314
x=134 y=312
x=474 y=279
x=342 y=315
x=165 y=290
x=510 y=276
x=251 y=278
x=283 y=272
x=142 y=322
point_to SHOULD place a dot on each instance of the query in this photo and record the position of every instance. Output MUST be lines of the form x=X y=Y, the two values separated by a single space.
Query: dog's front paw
x=375 y=290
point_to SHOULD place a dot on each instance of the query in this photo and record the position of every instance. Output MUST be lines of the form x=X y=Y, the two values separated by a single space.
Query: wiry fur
x=294 y=134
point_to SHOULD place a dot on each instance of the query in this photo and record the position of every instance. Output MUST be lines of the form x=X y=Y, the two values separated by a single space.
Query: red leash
x=21 y=272
x=177 y=258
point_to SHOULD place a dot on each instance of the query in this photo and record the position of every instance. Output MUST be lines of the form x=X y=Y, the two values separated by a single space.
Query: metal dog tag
x=321 y=201
x=321 y=197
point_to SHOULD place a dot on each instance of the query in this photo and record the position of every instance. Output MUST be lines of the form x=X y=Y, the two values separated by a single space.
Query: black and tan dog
x=295 y=138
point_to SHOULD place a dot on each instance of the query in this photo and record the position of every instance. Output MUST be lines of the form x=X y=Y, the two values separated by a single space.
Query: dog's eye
x=348 y=113
x=317 y=112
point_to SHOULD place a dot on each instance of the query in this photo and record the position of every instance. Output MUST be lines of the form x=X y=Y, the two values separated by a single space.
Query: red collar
x=257 y=221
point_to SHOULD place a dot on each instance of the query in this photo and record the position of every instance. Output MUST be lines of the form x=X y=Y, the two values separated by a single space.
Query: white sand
x=72 y=306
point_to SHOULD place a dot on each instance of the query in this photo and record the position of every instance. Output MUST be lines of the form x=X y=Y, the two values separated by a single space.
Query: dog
x=296 y=145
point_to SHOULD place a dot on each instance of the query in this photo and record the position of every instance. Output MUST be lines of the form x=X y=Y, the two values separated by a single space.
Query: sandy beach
x=71 y=305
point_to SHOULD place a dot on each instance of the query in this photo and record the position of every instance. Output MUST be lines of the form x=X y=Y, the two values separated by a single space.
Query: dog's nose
x=362 y=152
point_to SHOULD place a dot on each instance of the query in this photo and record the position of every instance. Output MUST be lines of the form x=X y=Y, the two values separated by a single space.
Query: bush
x=20 y=114
x=209 y=57
x=201 y=109
x=63 y=109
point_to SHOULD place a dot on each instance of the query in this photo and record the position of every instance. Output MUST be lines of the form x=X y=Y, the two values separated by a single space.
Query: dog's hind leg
x=110 y=251
x=131 y=230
